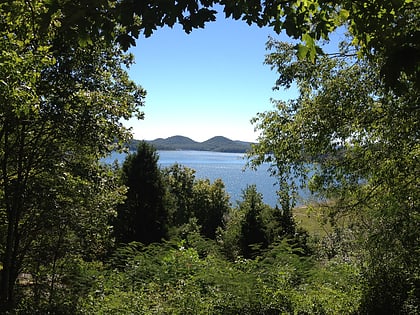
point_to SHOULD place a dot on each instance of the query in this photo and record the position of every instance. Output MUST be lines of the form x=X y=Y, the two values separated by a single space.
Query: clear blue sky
x=207 y=83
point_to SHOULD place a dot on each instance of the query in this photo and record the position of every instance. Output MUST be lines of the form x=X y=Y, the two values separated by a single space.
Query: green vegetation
x=61 y=106
x=362 y=139
x=78 y=237
x=143 y=216
x=213 y=259
x=217 y=144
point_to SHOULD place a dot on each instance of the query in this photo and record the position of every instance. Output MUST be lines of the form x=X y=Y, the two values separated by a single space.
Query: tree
x=61 y=108
x=355 y=144
x=253 y=226
x=143 y=216
x=210 y=204
x=252 y=238
x=180 y=181
x=278 y=224
x=194 y=199
x=63 y=93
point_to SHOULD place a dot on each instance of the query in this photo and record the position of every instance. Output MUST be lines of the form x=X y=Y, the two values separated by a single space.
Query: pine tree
x=143 y=216
x=253 y=237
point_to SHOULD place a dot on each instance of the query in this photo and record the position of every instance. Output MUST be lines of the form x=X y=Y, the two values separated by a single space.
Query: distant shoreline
x=181 y=143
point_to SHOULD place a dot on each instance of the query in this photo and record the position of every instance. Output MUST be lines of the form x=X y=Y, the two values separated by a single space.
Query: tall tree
x=252 y=235
x=143 y=216
x=61 y=105
x=355 y=143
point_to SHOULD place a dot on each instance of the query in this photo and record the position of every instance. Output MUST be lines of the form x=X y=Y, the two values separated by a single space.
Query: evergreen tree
x=253 y=236
x=279 y=223
x=143 y=216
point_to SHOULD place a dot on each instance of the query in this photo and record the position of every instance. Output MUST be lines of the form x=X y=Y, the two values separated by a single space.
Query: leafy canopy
x=61 y=110
x=389 y=28
x=355 y=144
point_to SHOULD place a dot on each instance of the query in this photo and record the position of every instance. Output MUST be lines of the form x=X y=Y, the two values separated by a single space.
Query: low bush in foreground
x=168 y=279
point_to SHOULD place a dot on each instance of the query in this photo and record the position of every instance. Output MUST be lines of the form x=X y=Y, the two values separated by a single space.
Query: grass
x=310 y=220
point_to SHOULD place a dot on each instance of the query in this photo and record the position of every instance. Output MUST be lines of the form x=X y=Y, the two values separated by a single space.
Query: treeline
x=177 y=246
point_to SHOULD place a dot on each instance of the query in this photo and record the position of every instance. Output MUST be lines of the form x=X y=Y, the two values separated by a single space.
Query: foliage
x=63 y=296
x=180 y=181
x=61 y=110
x=210 y=204
x=228 y=237
x=143 y=216
x=355 y=144
x=166 y=278
x=335 y=288
x=252 y=235
x=198 y=199
x=252 y=226
x=389 y=28
x=63 y=92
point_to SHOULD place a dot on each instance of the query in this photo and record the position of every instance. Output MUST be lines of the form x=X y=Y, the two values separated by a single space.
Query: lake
x=229 y=167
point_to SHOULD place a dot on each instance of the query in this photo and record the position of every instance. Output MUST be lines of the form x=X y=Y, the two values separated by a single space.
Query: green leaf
x=302 y=51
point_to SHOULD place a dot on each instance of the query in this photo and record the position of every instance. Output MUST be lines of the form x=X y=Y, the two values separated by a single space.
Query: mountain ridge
x=215 y=144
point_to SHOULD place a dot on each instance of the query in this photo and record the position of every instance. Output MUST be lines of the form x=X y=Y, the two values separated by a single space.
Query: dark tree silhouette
x=142 y=217
x=253 y=237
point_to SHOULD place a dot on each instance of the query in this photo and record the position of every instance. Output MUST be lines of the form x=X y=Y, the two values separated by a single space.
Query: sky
x=208 y=83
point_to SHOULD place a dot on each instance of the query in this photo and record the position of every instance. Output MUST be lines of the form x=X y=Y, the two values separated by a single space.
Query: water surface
x=229 y=167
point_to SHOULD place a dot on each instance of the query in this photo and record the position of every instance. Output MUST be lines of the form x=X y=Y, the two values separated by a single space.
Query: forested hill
x=216 y=144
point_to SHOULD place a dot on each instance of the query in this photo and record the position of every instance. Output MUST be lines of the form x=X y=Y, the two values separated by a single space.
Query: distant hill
x=222 y=144
x=174 y=143
x=216 y=144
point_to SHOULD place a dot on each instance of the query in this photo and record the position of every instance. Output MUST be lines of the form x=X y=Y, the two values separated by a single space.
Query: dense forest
x=81 y=237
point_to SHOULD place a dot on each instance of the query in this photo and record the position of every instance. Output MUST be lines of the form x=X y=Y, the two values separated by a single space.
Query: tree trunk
x=13 y=190
x=6 y=279
x=9 y=273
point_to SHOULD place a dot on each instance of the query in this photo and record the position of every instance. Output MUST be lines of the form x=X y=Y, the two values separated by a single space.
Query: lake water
x=229 y=167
